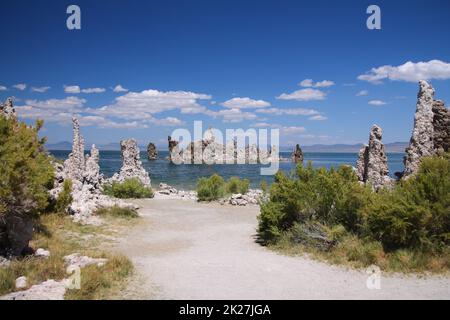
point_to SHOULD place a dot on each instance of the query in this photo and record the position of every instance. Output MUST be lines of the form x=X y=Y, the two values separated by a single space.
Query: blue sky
x=232 y=64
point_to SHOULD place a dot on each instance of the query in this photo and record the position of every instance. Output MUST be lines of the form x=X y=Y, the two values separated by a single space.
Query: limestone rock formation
x=297 y=155
x=7 y=109
x=132 y=165
x=372 y=167
x=75 y=164
x=441 y=127
x=152 y=153
x=84 y=172
x=421 y=143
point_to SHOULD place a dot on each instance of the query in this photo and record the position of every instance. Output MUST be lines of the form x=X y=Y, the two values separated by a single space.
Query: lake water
x=185 y=176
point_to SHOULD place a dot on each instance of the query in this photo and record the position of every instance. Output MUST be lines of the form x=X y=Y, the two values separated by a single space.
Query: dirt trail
x=186 y=250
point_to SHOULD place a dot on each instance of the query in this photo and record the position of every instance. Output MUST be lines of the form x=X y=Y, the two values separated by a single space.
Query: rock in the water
x=421 y=143
x=132 y=165
x=7 y=109
x=21 y=283
x=372 y=167
x=297 y=155
x=441 y=127
x=48 y=290
x=152 y=153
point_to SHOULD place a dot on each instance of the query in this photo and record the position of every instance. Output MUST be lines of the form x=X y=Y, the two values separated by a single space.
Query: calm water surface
x=185 y=176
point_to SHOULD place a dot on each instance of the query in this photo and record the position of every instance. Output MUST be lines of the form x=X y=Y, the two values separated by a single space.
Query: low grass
x=61 y=236
x=118 y=212
x=357 y=253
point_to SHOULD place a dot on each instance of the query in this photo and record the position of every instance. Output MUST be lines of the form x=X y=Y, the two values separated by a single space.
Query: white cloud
x=119 y=88
x=168 y=121
x=142 y=105
x=318 y=117
x=93 y=90
x=245 y=103
x=234 y=115
x=309 y=83
x=52 y=110
x=377 y=102
x=291 y=112
x=304 y=95
x=362 y=93
x=3 y=88
x=292 y=130
x=40 y=89
x=20 y=86
x=410 y=72
x=72 y=89
x=77 y=89
x=104 y=123
x=264 y=125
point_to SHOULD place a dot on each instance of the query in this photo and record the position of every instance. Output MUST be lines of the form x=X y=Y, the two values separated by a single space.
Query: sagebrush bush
x=236 y=185
x=129 y=189
x=330 y=197
x=212 y=188
x=406 y=226
x=416 y=213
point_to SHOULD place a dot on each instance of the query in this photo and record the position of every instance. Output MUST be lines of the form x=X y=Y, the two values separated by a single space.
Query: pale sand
x=188 y=250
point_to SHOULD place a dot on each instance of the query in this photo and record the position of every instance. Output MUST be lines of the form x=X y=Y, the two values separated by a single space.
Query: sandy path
x=186 y=250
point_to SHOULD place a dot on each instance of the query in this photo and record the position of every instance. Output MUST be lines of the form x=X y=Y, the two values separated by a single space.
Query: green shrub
x=212 y=188
x=416 y=214
x=129 y=189
x=236 y=185
x=64 y=197
x=330 y=197
x=26 y=176
x=263 y=185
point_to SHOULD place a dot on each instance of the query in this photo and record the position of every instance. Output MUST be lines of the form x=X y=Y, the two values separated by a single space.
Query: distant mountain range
x=395 y=147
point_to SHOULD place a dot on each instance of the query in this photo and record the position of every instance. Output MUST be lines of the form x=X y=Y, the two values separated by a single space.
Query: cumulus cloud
x=362 y=93
x=409 y=71
x=318 y=117
x=93 y=90
x=304 y=95
x=309 y=83
x=20 y=86
x=104 y=123
x=289 y=111
x=142 y=105
x=234 y=115
x=40 y=89
x=119 y=88
x=3 y=88
x=77 y=89
x=168 y=121
x=52 y=110
x=292 y=130
x=72 y=89
x=245 y=103
x=377 y=103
